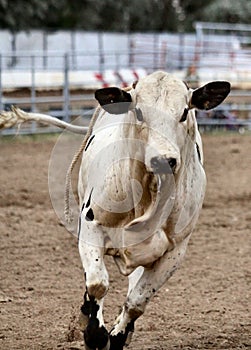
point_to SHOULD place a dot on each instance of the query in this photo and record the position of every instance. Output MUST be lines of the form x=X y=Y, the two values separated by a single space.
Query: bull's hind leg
x=144 y=283
x=91 y=249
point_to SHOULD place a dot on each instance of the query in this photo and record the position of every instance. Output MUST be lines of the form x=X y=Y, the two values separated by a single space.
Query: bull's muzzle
x=163 y=165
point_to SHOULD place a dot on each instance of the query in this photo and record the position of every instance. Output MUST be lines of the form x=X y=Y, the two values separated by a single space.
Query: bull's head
x=165 y=107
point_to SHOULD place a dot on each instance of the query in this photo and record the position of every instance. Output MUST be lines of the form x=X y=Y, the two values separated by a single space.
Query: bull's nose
x=163 y=165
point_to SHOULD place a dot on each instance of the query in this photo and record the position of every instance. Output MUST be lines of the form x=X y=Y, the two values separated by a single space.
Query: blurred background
x=54 y=54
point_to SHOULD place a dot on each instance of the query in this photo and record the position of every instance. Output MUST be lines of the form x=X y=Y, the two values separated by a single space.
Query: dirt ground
x=205 y=305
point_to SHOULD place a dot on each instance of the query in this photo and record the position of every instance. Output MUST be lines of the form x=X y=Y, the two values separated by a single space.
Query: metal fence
x=100 y=51
x=64 y=64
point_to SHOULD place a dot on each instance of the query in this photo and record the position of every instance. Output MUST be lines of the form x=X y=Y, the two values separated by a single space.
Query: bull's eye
x=172 y=163
x=184 y=116
x=139 y=114
x=134 y=84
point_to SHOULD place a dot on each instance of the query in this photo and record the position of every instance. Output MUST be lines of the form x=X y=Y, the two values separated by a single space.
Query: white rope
x=17 y=116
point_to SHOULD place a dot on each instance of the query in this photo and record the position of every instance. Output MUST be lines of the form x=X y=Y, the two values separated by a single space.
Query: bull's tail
x=16 y=117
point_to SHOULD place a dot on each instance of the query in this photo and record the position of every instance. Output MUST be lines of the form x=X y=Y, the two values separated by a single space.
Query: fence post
x=130 y=46
x=155 y=51
x=33 y=84
x=181 y=52
x=45 y=48
x=1 y=92
x=73 y=50
x=66 y=88
x=33 y=92
x=101 y=52
x=14 y=50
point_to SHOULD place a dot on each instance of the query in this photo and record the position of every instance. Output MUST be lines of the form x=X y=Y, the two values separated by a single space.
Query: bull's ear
x=113 y=100
x=210 y=95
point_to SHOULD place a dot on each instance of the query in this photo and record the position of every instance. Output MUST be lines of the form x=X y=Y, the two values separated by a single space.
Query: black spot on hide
x=89 y=215
x=82 y=208
x=198 y=151
x=139 y=114
x=79 y=226
x=184 y=116
x=89 y=199
x=89 y=142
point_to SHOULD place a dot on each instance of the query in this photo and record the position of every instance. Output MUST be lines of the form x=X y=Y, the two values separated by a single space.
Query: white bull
x=141 y=187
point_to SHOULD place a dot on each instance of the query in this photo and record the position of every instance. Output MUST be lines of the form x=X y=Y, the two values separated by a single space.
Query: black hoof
x=96 y=337
x=120 y=340
x=117 y=342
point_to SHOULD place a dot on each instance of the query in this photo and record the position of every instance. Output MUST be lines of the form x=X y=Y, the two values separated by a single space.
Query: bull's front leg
x=91 y=249
x=143 y=284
